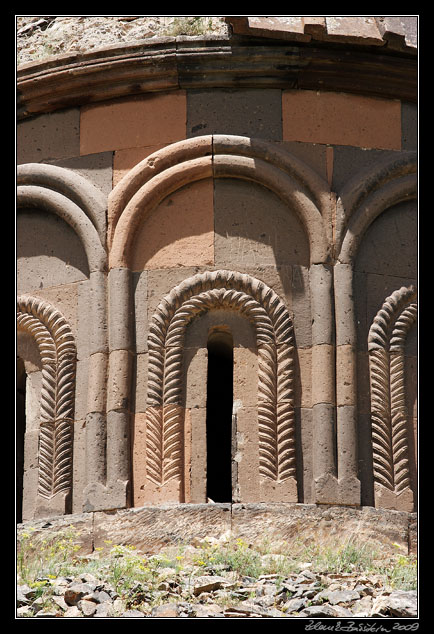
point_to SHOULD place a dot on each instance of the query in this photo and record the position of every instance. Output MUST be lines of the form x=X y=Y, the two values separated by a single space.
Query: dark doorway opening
x=20 y=429
x=219 y=416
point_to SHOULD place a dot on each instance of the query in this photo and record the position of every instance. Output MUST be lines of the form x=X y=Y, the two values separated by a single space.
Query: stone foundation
x=150 y=528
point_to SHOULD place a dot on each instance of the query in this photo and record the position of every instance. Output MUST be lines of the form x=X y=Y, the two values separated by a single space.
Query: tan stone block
x=278 y=278
x=28 y=351
x=121 y=310
x=118 y=455
x=304 y=453
x=49 y=252
x=97 y=383
x=195 y=362
x=161 y=282
x=271 y=491
x=48 y=136
x=250 y=237
x=33 y=400
x=124 y=160
x=245 y=389
x=140 y=293
x=303 y=377
x=145 y=489
x=301 y=306
x=341 y=119
x=323 y=386
x=321 y=290
x=386 y=499
x=98 y=312
x=118 y=389
x=65 y=299
x=197 y=424
x=84 y=328
x=187 y=455
x=139 y=458
x=31 y=473
x=141 y=382
x=81 y=389
x=247 y=453
x=179 y=232
x=30 y=487
x=133 y=122
x=346 y=361
x=79 y=465
x=323 y=439
x=96 y=440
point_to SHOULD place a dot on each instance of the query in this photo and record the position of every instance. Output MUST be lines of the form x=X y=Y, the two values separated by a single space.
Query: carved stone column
x=386 y=341
x=109 y=485
x=346 y=385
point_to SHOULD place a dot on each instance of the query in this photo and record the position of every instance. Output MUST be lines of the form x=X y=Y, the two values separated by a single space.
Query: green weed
x=44 y=558
x=402 y=574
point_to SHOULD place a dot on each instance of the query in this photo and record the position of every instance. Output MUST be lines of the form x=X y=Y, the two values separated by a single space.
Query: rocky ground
x=306 y=594
x=39 y=37
x=200 y=583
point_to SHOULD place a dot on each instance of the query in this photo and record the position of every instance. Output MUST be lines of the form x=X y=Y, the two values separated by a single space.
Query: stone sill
x=150 y=528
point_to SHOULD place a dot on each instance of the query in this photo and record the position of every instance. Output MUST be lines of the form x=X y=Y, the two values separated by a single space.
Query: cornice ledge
x=164 y=64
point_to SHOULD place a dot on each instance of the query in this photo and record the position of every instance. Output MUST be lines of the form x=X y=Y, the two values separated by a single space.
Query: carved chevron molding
x=58 y=355
x=386 y=342
x=274 y=337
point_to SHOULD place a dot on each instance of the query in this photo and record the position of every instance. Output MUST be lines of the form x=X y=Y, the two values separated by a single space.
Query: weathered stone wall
x=152 y=220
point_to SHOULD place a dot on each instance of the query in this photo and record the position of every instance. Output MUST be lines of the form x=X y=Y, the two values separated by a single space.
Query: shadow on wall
x=44 y=241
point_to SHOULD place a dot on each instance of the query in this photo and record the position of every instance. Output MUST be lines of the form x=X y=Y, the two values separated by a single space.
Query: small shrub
x=347 y=558
x=233 y=555
x=51 y=556
x=402 y=575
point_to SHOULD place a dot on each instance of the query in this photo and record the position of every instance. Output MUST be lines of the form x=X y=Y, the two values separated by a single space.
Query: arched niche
x=386 y=261
x=68 y=214
x=302 y=197
x=213 y=294
x=48 y=428
x=379 y=223
x=389 y=414
x=218 y=156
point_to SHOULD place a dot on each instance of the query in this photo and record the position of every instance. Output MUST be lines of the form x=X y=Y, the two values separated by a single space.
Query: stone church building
x=217 y=272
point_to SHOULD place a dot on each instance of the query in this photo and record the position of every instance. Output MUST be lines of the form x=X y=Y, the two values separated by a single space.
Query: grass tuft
x=143 y=578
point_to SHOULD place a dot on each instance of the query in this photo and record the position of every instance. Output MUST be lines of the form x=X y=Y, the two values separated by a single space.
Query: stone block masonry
x=215 y=218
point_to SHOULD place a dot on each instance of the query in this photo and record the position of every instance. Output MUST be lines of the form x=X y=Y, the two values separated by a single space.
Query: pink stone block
x=136 y=122
x=341 y=119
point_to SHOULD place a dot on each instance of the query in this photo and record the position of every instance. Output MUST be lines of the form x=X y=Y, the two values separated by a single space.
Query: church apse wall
x=217 y=301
